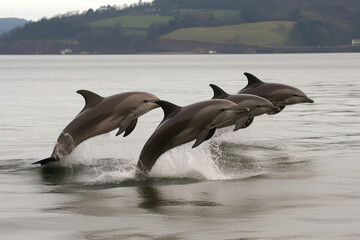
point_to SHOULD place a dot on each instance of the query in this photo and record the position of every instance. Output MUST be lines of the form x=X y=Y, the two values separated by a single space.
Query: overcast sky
x=36 y=9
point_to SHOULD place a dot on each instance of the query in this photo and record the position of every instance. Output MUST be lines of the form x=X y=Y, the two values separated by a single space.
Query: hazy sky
x=36 y=9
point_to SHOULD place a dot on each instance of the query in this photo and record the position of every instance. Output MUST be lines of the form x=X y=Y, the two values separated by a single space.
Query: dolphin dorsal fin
x=169 y=108
x=91 y=99
x=252 y=79
x=218 y=92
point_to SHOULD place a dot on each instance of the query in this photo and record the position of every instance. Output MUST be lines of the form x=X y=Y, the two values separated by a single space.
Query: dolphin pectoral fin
x=210 y=134
x=240 y=123
x=281 y=108
x=204 y=135
x=248 y=122
x=46 y=161
x=124 y=124
x=131 y=127
x=243 y=122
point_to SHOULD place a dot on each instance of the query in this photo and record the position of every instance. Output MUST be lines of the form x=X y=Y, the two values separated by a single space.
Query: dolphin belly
x=93 y=127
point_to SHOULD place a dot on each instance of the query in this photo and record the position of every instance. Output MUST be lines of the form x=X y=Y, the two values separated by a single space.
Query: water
x=294 y=175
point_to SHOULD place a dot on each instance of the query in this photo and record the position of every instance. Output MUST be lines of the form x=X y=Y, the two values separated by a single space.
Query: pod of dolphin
x=180 y=125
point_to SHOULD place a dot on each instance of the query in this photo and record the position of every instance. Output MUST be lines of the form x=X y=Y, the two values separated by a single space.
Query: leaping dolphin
x=257 y=106
x=102 y=115
x=184 y=124
x=279 y=94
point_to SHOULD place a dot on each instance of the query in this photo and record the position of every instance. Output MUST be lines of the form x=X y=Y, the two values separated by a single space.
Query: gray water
x=294 y=175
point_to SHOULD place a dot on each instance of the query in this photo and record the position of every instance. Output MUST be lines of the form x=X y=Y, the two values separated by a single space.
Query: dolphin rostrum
x=102 y=115
x=184 y=124
x=279 y=94
x=257 y=106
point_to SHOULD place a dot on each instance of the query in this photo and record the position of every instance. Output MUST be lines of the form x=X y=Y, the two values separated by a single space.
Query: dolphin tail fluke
x=46 y=161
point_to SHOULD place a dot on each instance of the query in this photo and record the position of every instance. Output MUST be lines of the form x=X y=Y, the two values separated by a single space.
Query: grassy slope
x=141 y=22
x=217 y=13
x=274 y=33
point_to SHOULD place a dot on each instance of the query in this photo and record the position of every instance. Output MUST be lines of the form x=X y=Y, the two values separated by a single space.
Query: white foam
x=116 y=175
x=102 y=147
x=113 y=160
x=184 y=161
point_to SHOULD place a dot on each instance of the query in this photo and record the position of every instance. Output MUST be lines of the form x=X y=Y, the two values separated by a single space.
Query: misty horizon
x=36 y=10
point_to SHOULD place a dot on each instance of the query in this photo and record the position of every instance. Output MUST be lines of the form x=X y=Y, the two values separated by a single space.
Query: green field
x=217 y=13
x=275 y=33
x=141 y=21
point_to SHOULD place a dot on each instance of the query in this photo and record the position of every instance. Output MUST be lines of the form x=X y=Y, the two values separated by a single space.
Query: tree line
x=317 y=22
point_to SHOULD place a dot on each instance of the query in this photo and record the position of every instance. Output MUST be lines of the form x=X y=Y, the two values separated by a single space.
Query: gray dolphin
x=279 y=94
x=184 y=124
x=257 y=106
x=101 y=115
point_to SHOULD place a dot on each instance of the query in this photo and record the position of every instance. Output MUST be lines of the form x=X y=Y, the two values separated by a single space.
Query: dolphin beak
x=275 y=109
x=309 y=100
x=153 y=103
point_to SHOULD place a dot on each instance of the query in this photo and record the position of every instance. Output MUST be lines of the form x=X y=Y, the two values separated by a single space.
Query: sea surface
x=293 y=175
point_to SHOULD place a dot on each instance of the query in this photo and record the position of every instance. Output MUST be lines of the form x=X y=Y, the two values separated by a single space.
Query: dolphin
x=279 y=94
x=184 y=124
x=102 y=115
x=257 y=106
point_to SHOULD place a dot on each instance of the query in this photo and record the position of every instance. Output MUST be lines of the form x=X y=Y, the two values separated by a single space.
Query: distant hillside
x=271 y=33
x=230 y=26
x=6 y=24
x=137 y=21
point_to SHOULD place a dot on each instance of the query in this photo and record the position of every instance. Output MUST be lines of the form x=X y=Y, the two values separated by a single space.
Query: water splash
x=183 y=161
x=108 y=160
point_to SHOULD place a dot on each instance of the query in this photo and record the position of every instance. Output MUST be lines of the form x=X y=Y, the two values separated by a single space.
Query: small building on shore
x=355 y=42
x=65 y=51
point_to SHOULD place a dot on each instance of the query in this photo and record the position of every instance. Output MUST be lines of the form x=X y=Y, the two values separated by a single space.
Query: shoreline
x=46 y=47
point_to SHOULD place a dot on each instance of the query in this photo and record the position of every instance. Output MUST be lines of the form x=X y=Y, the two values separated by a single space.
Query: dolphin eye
x=223 y=109
x=145 y=101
